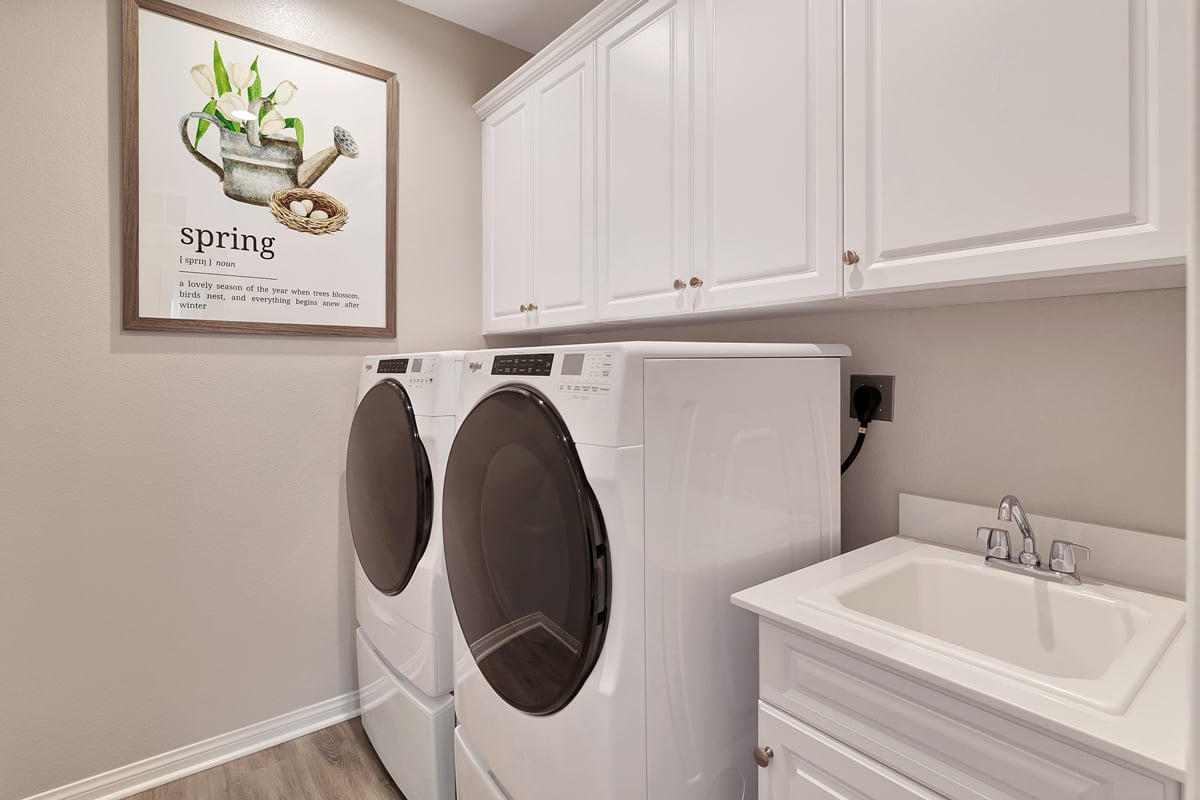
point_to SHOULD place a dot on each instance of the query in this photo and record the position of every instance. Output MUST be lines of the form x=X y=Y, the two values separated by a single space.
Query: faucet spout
x=1011 y=511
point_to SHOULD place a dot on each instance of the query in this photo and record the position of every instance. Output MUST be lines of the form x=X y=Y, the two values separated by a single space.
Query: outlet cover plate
x=886 y=384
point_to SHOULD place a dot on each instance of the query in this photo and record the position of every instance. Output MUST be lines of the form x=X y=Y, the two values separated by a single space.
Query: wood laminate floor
x=336 y=763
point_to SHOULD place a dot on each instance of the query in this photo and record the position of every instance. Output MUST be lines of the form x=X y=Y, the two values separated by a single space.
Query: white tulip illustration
x=240 y=76
x=272 y=122
x=202 y=74
x=284 y=93
x=231 y=105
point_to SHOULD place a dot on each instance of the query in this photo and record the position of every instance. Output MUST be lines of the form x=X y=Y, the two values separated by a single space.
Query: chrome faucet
x=1063 y=555
x=1012 y=511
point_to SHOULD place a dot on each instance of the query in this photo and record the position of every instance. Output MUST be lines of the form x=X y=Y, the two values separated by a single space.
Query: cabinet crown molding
x=570 y=42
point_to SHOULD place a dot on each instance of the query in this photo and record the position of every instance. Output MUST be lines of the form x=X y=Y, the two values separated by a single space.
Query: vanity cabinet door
x=643 y=139
x=994 y=141
x=507 y=195
x=768 y=152
x=807 y=765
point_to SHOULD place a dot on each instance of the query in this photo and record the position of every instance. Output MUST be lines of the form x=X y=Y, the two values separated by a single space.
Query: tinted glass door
x=525 y=551
x=389 y=487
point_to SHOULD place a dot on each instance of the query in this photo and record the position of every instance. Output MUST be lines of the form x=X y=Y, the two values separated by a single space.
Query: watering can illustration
x=254 y=167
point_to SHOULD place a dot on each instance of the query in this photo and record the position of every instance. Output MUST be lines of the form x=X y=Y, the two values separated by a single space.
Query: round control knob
x=763 y=756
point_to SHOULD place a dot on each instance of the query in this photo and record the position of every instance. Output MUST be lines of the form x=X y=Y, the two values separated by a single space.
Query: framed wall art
x=259 y=181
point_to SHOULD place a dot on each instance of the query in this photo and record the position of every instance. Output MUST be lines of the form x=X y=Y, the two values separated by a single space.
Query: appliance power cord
x=866 y=403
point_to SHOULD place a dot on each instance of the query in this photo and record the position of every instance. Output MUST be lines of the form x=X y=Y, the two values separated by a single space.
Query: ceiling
x=527 y=24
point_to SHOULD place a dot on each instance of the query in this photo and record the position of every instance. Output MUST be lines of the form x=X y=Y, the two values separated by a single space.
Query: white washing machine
x=395 y=461
x=602 y=502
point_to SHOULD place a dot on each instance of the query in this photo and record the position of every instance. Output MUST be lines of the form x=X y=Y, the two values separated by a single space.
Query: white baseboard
x=193 y=758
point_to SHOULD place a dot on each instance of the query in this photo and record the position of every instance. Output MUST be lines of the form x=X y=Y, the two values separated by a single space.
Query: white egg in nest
x=299 y=208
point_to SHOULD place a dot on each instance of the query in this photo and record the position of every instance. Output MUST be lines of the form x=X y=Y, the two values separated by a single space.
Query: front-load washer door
x=526 y=551
x=389 y=487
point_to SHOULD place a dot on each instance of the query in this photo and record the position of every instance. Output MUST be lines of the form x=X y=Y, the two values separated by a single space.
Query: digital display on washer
x=538 y=364
x=572 y=364
x=392 y=366
x=418 y=364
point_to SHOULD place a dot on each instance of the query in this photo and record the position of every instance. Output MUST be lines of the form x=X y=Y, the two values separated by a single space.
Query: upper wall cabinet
x=538 y=202
x=507 y=215
x=672 y=158
x=644 y=162
x=768 y=156
x=999 y=140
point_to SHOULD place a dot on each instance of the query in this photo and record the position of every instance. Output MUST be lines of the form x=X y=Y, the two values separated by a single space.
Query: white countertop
x=1151 y=734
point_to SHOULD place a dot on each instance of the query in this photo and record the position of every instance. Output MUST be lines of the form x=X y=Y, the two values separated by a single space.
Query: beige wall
x=175 y=560
x=1076 y=405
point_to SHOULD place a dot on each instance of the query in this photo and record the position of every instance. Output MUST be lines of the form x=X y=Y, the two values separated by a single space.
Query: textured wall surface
x=176 y=562
x=1074 y=404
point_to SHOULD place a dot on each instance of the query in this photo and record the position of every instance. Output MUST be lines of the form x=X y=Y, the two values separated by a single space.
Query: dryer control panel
x=538 y=364
x=392 y=366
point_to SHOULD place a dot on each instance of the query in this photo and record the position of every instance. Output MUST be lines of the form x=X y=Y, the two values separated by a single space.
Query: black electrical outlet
x=886 y=384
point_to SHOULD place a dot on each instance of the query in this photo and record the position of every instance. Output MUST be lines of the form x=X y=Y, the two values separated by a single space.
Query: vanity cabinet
x=998 y=141
x=839 y=726
x=666 y=159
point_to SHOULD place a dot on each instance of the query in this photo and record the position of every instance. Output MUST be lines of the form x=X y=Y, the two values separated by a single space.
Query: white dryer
x=395 y=462
x=602 y=502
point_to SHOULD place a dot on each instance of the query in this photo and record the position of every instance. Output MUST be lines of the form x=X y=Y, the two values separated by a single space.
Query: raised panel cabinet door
x=1007 y=139
x=808 y=765
x=768 y=152
x=644 y=163
x=564 y=192
x=507 y=216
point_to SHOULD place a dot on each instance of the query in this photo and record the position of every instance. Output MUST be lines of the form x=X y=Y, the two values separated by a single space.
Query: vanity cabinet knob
x=679 y=285
x=695 y=282
x=524 y=308
x=763 y=756
x=849 y=258
x=532 y=307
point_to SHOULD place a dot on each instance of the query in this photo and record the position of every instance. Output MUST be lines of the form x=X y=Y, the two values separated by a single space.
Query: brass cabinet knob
x=695 y=282
x=532 y=307
x=849 y=258
x=763 y=756
x=524 y=308
x=679 y=285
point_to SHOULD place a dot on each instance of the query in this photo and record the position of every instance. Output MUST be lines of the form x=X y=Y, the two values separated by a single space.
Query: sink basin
x=1093 y=644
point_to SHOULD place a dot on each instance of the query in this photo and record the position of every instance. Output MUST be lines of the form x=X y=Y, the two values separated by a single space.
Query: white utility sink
x=1094 y=644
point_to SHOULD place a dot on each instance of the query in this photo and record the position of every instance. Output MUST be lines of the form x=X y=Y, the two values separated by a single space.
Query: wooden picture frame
x=267 y=194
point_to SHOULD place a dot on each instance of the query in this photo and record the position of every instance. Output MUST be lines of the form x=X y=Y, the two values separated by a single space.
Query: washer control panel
x=586 y=373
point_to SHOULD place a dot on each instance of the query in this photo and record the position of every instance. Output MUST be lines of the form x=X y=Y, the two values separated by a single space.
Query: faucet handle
x=998 y=545
x=1065 y=555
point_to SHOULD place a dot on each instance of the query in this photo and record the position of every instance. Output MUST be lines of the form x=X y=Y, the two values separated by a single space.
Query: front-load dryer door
x=389 y=487
x=526 y=551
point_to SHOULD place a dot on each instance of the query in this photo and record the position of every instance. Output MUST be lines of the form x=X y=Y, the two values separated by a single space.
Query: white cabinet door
x=644 y=162
x=564 y=193
x=1008 y=139
x=507 y=219
x=768 y=152
x=808 y=765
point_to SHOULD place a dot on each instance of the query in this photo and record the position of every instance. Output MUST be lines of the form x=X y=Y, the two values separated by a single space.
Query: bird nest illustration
x=308 y=211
